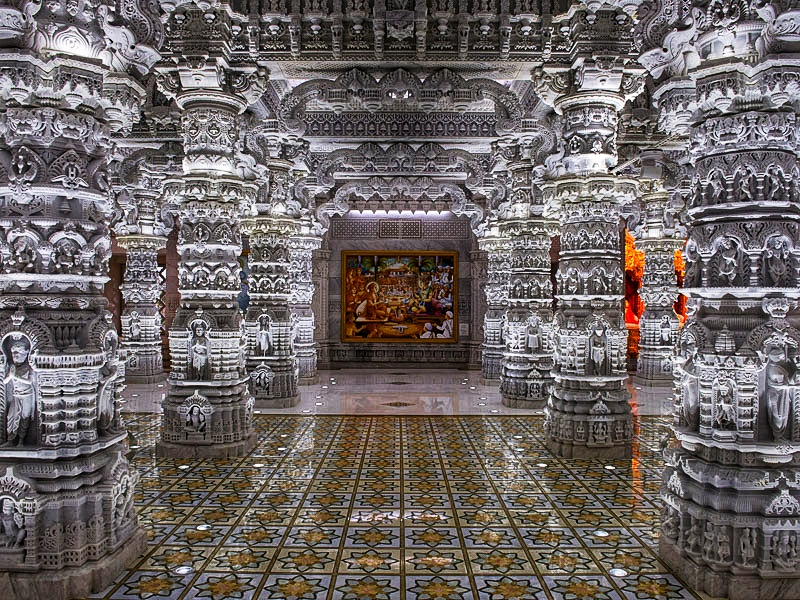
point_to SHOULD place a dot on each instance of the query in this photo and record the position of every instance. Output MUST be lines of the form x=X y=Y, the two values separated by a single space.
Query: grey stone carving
x=69 y=80
x=730 y=500
x=587 y=412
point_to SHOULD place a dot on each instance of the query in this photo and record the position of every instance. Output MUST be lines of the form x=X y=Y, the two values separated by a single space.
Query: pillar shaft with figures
x=588 y=414
x=496 y=291
x=66 y=487
x=142 y=228
x=271 y=361
x=208 y=411
x=525 y=379
x=302 y=247
x=141 y=318
x=731 y=511
x=658 y=325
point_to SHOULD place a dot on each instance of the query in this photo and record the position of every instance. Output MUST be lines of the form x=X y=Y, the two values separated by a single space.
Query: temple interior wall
x=445 y=233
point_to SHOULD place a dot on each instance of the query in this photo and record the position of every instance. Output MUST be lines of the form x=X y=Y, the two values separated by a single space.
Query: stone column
x=731 y=513
x=321 y=274
x=271 y=360
x=302 y=247
x=66 y=488
x=588 y=414
x=658 y=325
x=141 y=317
x=496 y=291
x=142 y=229
x=525 y=379
x=478 y=273
x=208 y=411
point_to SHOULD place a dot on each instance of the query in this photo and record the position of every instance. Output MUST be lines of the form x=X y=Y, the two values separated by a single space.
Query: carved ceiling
x=371 y=91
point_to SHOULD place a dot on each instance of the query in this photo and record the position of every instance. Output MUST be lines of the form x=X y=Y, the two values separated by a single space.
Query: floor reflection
x=407 y=506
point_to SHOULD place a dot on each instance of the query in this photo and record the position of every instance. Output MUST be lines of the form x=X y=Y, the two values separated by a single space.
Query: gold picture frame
x=399 y=296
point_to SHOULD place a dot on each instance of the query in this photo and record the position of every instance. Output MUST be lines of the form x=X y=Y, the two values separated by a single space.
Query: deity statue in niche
x=778 y=377
x=729 y=261
x=106 y=396
x=199 y=367
x=136 y=326
x=725 y=404
x=534 y=335
x=665 y=330
x=598 y=355
x=777 y=262
x=12 y=523
x=747 y=546
x=19 y=391
x=264 y=335
x=686 y=364
x=195 y=420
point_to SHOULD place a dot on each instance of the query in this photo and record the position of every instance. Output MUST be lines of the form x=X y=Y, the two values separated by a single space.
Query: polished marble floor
x=432 y=490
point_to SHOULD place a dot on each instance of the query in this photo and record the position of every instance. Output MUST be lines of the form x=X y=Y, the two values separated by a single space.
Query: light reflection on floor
x=389 y=505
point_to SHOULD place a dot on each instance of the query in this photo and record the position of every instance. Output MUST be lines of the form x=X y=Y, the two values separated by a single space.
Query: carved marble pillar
x=66 y=488
x=496 y=291
x=731 y=491
x=658 y=325
x=478 y=265
x=208 y=410
x=271 y=360
x=301 y=250
x=588 y=414
x=525 y=379
x=320 y=306
x=141 y=317
x=142 y=227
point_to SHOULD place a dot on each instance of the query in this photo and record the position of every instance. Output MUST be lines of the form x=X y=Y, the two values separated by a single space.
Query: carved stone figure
x=198 y=352
x=597 y=352
x=264 y=336
x=689 y=383
x=19 y=391
x=777 y=263
x=778 y=377
x=12 y=524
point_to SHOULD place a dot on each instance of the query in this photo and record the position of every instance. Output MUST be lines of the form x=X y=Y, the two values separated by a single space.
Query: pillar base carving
x=725 y=584
x=580 y=424
x=523 y=384
x=75 y=582
x=224 y=450
x=737 y=539
x=284 y=402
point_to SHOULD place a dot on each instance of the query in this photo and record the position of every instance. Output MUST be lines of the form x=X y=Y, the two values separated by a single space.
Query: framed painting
x=399 y=296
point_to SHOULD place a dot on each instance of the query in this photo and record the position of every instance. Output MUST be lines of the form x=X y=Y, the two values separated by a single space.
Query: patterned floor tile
x=436 y=560
x=438 y=588
x=296 y=587
x=359 y=508
x=574 y=587
x=505 y=561
x=366 y=587
x=508 y=587
x=221 y=586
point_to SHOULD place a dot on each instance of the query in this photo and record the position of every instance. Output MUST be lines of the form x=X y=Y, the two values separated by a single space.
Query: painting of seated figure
x=399 y=296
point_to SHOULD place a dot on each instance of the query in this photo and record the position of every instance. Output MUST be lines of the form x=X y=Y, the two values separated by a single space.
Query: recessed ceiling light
x=617 y=572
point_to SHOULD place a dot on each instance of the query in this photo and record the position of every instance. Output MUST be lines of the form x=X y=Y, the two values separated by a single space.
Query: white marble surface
x=402 y=392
